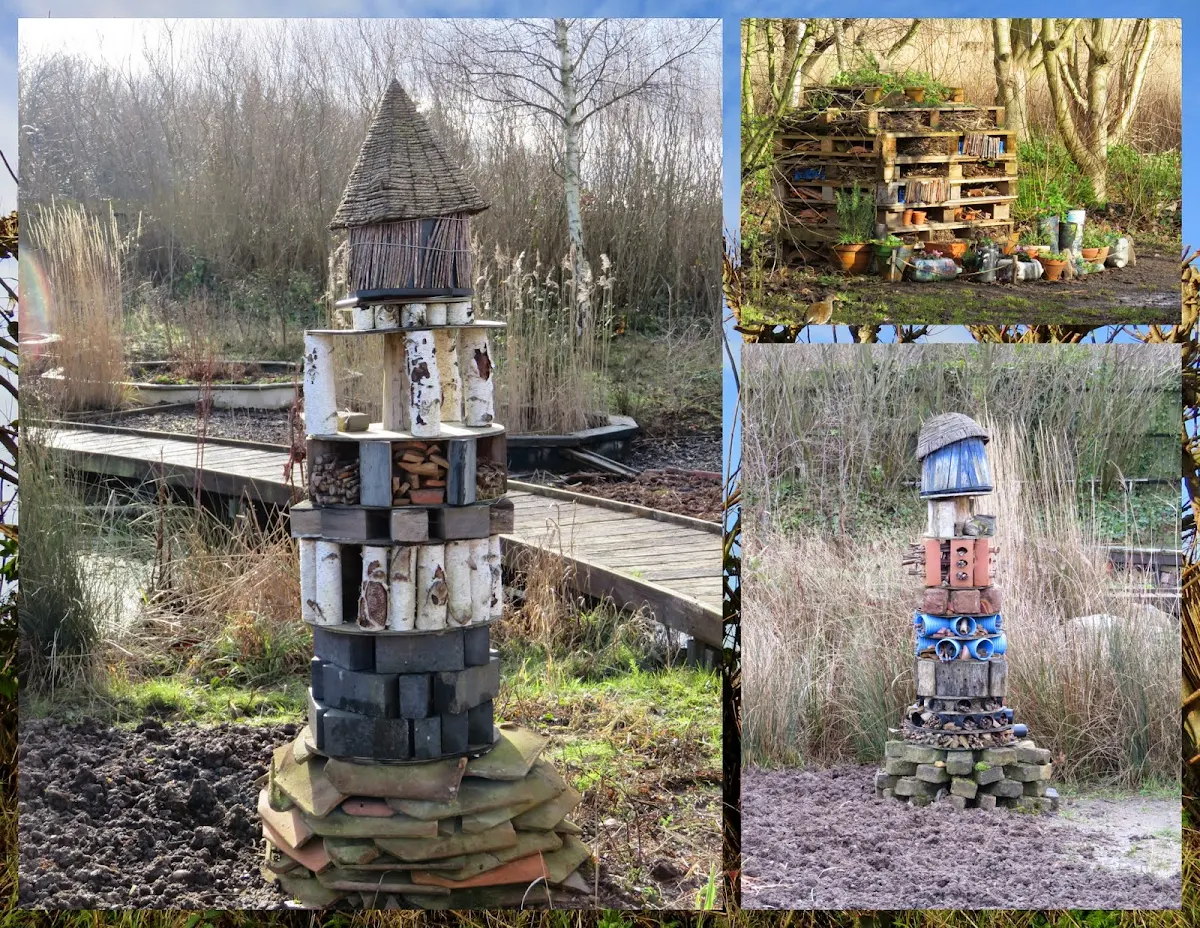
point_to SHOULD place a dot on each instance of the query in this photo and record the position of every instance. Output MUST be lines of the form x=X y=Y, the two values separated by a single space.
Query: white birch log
x=446 y=343
x=308 y=580
x=496 y=599
x=460 y=313
x=481 y=581
x=458 y=579
x=364 y=317
x=373 y=595
x=435 y=313
x=424 y=385
x=431 y=587
x=402 y=589
x=395 y=384
x=329 y=584
x=320 y=386
x=414 y=314
x=387 y=315
x=476 y=362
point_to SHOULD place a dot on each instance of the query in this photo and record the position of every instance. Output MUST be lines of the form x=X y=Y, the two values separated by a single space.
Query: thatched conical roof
x=946 y=429
x=402 y=171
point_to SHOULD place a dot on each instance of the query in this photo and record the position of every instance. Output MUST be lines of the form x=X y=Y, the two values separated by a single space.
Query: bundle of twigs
x=390 y=255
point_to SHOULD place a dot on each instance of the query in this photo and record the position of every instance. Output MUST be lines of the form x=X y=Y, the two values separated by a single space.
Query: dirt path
x=1143 y=294
x=820 y=839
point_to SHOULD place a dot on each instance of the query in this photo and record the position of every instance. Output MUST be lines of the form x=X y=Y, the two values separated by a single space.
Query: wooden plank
x=375 y=473
x=664 y=574
x=460 y=480
x=657 y=515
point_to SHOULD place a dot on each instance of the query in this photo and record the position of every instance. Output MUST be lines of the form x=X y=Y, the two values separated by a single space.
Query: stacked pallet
x=956 y=162
x=402 y=791
x=958 y=739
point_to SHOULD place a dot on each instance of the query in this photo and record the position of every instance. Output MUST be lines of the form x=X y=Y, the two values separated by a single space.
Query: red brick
x=936 y=601
x=990 y=600
x=962 y=562
x=933 y=562
x=964 y=602
x=983 y=571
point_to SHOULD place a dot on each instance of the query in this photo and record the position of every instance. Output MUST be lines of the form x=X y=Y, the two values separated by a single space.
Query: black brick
x=480 y=724
x=352 y=651
x=371 y=694
x=393 y=739
x=476 y=644
x=315 y=712
x=427 y=737
x=347 y=734
x=317 y=677
x=416 y=695
x=454 y=733
x=419 y=653
x=459 y=691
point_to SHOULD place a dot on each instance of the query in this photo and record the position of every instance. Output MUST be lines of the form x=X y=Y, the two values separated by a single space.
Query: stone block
x=990 y=600
x=964 y=602
x=315 y=712
x=427 y=737
x=457 y=691
x=375 y=473
x=1052 y=795
x=1032 y=754
x=960 y=763
x=935 y=601
x=1045 y=804
x=987 y=774
x=1036 y=787
x=894 y=748
x=958 y=802
x=982 y=568
x=416 y=695
x=920 y=754
x=930 y=773
x=920 y=801
x=887 y=794
x=911 y=786
x=885 y=780
x=419 y=653
x=961 y=786
x=455 y=732
x=351 y=651
x=998 y=756
x=316 y=677
x=476 y=645
x=1004 y=789
x=371 y=694
x=1026 y=773
x=481 y=723
x=933 y=562
x=1028 y=804
x=895 y=767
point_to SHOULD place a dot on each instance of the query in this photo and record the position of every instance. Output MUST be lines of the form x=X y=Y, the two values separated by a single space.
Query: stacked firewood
x=490 y=479
x=333 y=481
x=419 y=471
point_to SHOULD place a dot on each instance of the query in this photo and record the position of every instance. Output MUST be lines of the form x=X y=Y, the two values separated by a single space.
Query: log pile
x=491 y=479
x=333 y=480
x=419 y=470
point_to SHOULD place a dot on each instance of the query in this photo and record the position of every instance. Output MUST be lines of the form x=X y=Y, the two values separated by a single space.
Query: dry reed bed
x=827 y=607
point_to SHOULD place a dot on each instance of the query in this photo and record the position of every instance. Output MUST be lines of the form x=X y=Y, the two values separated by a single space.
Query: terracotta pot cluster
x=914 y=217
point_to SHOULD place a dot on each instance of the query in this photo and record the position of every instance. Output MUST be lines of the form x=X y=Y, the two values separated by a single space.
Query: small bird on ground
x=820 y=313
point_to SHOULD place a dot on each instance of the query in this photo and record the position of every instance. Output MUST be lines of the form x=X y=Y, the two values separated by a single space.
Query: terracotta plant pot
x=955 y=249
x=916 y=94
x=918 y=217
x=852 y=259
x=1053 y=269
x=907 y=218
x=872 y=95
x=957 y=95
x=1103 y=256
x=1091 y=254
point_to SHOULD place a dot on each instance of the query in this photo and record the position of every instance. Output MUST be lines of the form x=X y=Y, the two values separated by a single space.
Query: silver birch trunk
x=329 y=584
x=458 y=579
x=387 y=316
x=320 y=386
x=414 y=314
x=308 y=580
x=424 y=385
x=496 y=599
x=402 y=589
x=481 y=581
x=478 y=389
x=446 y=343
x=432 y=591
x=460 y=313
x=435 y=314
x=373 y=596
x=364 y=317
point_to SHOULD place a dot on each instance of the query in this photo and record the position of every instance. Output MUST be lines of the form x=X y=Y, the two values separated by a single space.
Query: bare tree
x=1092 y=112
x=567 y=71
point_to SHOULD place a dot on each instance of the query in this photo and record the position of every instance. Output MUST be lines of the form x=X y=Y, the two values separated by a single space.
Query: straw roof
x=402 y=171
x=946 y=429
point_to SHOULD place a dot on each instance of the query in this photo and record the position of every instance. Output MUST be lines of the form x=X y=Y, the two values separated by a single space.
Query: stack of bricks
x=402 y=791
x=958 y=740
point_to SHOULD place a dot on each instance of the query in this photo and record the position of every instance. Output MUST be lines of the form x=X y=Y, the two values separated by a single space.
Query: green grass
x=670 y=384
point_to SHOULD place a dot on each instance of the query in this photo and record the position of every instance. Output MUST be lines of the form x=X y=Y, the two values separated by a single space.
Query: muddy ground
x=690 y=493
x=821 y=840
x=1144 y=294
x=165 y=817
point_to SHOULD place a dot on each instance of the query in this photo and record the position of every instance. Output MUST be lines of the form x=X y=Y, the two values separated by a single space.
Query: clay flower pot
x=916 y=94
x=852 y=259
x=1090 y=254
x=956 y=249
x=907 y=218
x=918 y=217
x=872 y=95
x=1052 y=267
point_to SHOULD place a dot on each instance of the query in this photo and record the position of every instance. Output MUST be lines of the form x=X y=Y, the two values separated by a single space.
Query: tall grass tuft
x=60 y=613
x=80 y=256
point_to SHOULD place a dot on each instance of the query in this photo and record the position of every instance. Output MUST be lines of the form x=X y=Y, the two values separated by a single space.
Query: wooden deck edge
x=646 y=512
x=673 y=609
x=64 y=424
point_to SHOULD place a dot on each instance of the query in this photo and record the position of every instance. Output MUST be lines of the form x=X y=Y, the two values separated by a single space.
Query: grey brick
x=316 y=677
x=315 y=712
x=371 y=694
x=960 y=763
x=419 y=653
x=347 y=734
x=427 y=737
x=454 y=733
x=989 y=775
x=393 y=739
x=481 y=724
x=455 y=693
x=352 y=651
x=416 y=695
x=476 y=645
x=1004 y=789
x=986 y=802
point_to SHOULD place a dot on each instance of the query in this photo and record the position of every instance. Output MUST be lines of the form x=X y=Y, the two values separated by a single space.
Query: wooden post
x=395 y=384
x=373 y=598
x=364 y=317
x=308 y=580
x=476 y=362
x=329 y=584
x=402 y=589
x=481 y=580
x=435 y=313
x=446 y=344
x=458 y=579
x=424 y=384
x=432 y=591
x=496 y=599
x=414 y=314
x=320 y=386
x=941 y=518
x=460 y=313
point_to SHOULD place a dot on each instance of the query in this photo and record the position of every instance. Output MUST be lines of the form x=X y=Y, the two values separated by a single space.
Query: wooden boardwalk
x=667 y=564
